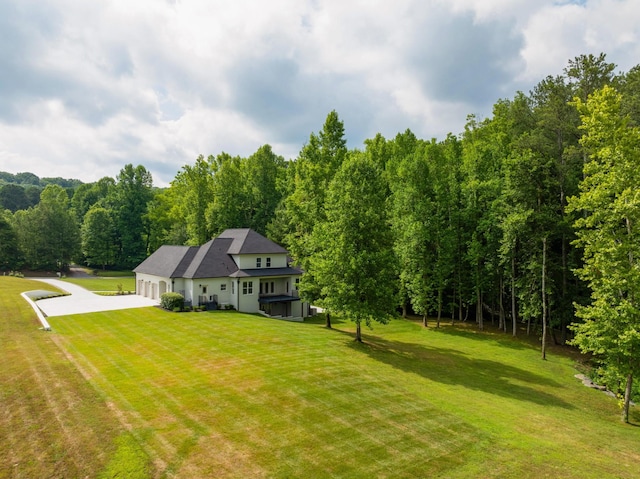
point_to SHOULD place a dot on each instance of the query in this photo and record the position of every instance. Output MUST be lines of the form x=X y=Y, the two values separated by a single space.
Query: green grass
x=105 y=283
x=228 y=394
x=232 y=395
x=113 y=273
x=53 y=422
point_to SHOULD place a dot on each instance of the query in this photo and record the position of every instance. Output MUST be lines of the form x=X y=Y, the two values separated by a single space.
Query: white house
x=240 y=268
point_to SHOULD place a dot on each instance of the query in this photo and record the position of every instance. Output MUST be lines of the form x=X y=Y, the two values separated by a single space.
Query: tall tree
x=630 y=89
x=165 y=220
x=555 y=136
x=228 y=208
x=10 y=254
x=262 y=174
x=193 y=186
x=129 y=201
x=89 y=194
x=48 y=233
x=98 y=237
x=314 y=169
x=353 y=261
x=413 y=206
x=588 y=73
x=607 y=230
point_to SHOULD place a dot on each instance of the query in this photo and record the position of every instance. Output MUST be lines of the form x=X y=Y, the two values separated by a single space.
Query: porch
x=280 y=306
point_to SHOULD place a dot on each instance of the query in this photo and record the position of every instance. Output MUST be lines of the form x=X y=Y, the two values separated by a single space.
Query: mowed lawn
x=105 y=283
x=223 y=394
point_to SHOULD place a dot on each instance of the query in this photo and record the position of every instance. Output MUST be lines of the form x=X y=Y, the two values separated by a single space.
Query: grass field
x=147 y=393
x=105 y=283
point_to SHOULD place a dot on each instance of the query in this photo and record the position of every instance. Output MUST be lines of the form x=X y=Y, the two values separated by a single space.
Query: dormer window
x=258 y=262
x=268 y=262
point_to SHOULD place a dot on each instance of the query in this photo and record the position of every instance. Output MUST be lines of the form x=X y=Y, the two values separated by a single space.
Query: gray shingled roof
x=247 y=241
x=168 y=261
x=212 y=259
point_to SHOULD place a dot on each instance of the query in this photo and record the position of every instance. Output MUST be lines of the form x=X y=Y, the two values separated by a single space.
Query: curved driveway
x=84 y=301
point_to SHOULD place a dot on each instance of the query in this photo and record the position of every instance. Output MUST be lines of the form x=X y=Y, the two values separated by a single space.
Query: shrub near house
x=172 y=301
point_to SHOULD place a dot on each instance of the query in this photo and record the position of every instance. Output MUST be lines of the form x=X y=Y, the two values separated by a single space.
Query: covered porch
x=281 y=306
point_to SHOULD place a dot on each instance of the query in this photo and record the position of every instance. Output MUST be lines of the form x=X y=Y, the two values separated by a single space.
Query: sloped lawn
x=53 y=423
x=232 y=395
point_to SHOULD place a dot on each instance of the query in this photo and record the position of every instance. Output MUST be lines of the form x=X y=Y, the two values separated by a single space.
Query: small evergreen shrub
x=172 y=301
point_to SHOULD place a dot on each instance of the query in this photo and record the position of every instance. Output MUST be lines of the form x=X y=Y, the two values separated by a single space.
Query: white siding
x=248 y=261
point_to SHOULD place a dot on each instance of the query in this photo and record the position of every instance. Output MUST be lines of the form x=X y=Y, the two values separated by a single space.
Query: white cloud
x=88 y=87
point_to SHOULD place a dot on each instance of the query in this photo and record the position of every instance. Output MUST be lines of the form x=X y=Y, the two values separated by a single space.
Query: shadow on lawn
x=449 y=366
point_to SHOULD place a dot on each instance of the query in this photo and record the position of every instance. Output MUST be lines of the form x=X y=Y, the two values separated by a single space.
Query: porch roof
x=282 y=298
x=257 y=272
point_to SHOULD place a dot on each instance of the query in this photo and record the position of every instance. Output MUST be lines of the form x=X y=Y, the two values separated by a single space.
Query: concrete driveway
x=83 y=301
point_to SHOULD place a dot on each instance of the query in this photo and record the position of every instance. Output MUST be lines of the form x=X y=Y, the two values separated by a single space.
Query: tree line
x=525 y=219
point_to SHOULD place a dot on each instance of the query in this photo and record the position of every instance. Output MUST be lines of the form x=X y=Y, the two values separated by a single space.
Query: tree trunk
x=544 y=299
x=565 y=288
x=327 y=315
x=513 y=293
x=479 y=310
x=502 y=323
x=439 y=308
x=424 y=320
x=358 y=332
x=627 y=398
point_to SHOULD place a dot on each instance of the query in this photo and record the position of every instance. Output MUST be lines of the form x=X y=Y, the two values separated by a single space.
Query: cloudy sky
x=87 y=87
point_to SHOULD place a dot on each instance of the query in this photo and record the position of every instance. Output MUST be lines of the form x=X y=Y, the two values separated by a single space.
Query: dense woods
x=521 y=220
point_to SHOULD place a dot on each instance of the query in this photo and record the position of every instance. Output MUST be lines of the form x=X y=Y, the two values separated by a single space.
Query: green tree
x=129 y=202
x=98 y=237
x=229 y=195
x=317 y=164
x=353 y=262
x=48 y=233
x=262 y=173
x=485 y=145
x=165 y=220
x=555 y=136
x=588 y=73
x=607 y=230
x=13 y=198
x=413 y=218
x=10 y=254
x=630 y=90
x=58 y=228
x=193 y=187
x=89 y=194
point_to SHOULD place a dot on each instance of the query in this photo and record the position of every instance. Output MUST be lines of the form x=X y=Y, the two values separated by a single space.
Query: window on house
x=204 y=290
x=223 y=287
x=272 y=287
x=258 y=262
x=297 y=286
x=287 y=286
x=247 y=287
x=268 y=262
x=233 y=287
